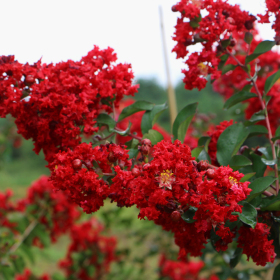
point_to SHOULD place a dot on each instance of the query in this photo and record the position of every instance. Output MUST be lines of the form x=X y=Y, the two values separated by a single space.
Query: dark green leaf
x=196 y=151
x=28 y=252
x=238 y=97
x=204 y=156
x=259 y=116
x=138 y=106
x=261 y=48
x=271 y=80
x=154 y=136
x=150 y=117
x=40 y=232
x=182 y=121
x=247 y=177
x=277 y=134
x=248 y=215
x=239 y=160
x=105 y=119
x=234 y=260
x=224 y=57
x=271 y=203
x=204 y=141
x=58 y=276
x=257 y=130
x=225 y=43
x=276 y=273
x=258 y=166
x=133 y=153
x=269 y=162
x=230 y=141
x=188 y=215
x=227 y=68
x=259 y=185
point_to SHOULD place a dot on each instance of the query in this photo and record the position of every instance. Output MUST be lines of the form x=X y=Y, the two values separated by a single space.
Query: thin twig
x=267 y=193
x=27 y=231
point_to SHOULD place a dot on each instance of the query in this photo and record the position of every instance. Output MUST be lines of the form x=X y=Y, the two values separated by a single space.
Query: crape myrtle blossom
x=219 y=22
x=54 y=104
x=171 y=182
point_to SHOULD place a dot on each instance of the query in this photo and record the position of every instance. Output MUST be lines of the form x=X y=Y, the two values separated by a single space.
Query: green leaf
x=27 y=251
x=238 y=97
x=277 y=134
x=257 y=130
x=7 y=272
x=258 y=166
x=183 y=120
x=230 y=141
x=133 y=153
x=259 y=185
x=204 y=141
x=204 y=156
x=224 y=57
x=248 y=215
x=261 y=48
x=40 y=232
x=225 y=43
x=150 y=117
x=188 y=215
x=259 y=116
x=197 y=151
x=105 y=119
x=124 y=132
x=58 y=276
x=227 y=68
x=154 y=136
x=19 y=264
x=271 y=80
x=247 y=176
x=138 y=106
x=269 y=161
x=239 y=160
x=223 y=61
x=234 y=260
x=271 y=203
x=276 y=273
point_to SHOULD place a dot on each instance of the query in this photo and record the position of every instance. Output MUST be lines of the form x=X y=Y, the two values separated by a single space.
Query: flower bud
x=135 y=172
x=174 y=9
x=29 y=79
x=202 y=165
x=175 y=216
x=248 y=37
x=77 y=164
x=210 y=173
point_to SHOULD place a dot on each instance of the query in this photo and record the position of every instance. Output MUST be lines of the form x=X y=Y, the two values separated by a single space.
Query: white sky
x=63 y=29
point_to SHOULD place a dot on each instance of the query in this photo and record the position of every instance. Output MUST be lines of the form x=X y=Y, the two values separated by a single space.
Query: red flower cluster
x=215 y=133
x=272 y=8
x=54 y=104
x=28 y=275
x=90 y=254
x=221 y=20
x=173 y=182
x=263 y=252
x=182 y=270
x=77 y=172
